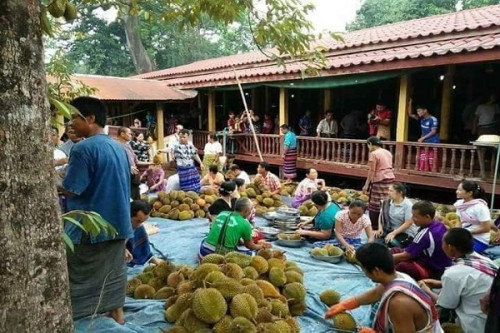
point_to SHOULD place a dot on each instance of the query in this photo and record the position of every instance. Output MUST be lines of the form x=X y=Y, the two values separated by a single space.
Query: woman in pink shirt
x=380 y=177
x=350 y=224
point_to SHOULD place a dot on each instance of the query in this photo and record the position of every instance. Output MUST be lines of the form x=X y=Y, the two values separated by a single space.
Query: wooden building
x=447 y=61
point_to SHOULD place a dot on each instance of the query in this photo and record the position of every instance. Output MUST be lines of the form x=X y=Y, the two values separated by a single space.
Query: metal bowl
x=290 y=243
x=330 y=259
x=285 y=225
x=269 y=233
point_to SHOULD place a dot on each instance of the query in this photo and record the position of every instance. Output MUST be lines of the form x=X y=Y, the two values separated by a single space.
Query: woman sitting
x=395 y=218
x=227 y=230
x=474 y=213
x=307 y=187
x=349 y=225
x=155 y=176
x=225 y=202
x=213 y=178
x=324 y=221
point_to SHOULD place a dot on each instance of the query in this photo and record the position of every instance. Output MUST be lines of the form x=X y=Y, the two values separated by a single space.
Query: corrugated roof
x=131 y=89
x=463 y=31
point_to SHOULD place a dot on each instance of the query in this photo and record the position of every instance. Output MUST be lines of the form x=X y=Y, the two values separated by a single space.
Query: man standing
x=379 y=122
x=97 y=179
x=305 y=124
x=327 y=128
x=124 y=137
x=289 y=153
x=268 y=178
x=404 y=306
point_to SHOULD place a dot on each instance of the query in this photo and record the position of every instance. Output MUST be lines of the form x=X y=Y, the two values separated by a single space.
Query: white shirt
x=59 y=154
x=213 y=148
x=482 y=214
x=463 y=286
x=173 y=183
x=174 y=140
x=486 y=114
x=243 y=175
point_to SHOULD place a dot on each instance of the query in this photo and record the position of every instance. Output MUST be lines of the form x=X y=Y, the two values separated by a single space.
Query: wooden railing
x=451 y=161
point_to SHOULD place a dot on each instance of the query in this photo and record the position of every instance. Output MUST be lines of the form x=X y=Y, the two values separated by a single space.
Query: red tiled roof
x=463 y=31
x=130 y=89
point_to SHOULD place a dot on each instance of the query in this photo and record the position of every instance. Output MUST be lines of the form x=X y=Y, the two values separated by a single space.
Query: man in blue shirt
x=97 y=179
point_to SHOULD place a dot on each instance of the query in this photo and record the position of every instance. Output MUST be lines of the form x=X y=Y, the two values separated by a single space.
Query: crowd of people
x=420 y=266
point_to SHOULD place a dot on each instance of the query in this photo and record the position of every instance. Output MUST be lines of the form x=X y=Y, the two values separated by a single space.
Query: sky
x=333 y=15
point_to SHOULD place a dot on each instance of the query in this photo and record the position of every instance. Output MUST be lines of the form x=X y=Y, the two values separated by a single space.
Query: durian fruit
x=294 y=291
x=303 y=211
x=250 y=273
x=319 y=252
x=132 y=285
x=183 y=207
x=182 y=303
x=242 y=325
x=313 y=211
x=164 y=293
x=144 y=291
x=209 y=305
x=163 y=269
x=232 y=270
x=174 y=279
x=268 y=289
x=213 y=258
x=251 y=192
x=293 y=276
x=278 y=254
x=57 y=8
x=294 y=325
x=266 y=254
x=200 y=213
x=202 y=271
x=228 y=288
x=243 y=305
x=333 y=250
x=329 y=297
x=279 y=309
x=246 y=281
x=173 y=214
x=186 y=287
x=297 y=308
x=165 y=209
x=157 y=205
x=186 y=271
x=185 y=215
x=255 y=292
x=344 y=321
x=170 y=301
x=157 y=283
x=264 y=315
x=275 y=262
x=190 y=322
x=145 y=277
x=176 y=329
x=295 y=269
x=451 y=328
x=277 y=277
x=241 y=259
x=215 y=276
x=260 y=264
x=188 y=201
x=222 y=326
x=351 y=257
x=268 y=202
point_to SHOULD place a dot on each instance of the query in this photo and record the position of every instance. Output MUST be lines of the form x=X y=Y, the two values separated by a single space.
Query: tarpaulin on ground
x=179 y=241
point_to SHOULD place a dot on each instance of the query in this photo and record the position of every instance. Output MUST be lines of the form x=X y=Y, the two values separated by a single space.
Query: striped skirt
x=189 y=178
x=290 y=164
x=378 y=191
x=208 y=160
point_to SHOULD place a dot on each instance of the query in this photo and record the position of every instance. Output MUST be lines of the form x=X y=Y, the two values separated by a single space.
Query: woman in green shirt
x=227 y=230
x=324 y=221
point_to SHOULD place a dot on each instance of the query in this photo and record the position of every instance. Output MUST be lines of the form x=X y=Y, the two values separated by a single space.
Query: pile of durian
x=288 y=189
x=346 y=196
x=450 y=220
x=308 y=209
x=180 y=205
x=261 y=197
x=330 y=250
x=231 y=293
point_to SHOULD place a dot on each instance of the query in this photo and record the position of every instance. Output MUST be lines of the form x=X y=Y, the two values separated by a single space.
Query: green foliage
x=379 y=12
x=88 y=222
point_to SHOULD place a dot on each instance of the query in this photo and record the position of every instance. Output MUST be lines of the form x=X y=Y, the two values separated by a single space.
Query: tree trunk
x=140 y=57
x=33 y=273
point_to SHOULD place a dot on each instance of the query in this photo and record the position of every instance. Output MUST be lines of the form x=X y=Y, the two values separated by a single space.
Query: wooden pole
x=283 y=116
x=327 y=99
x=211 y=111
x=403 y=118
x=253 y=100
x=446 y=103
x=252 y=129
x=160 y=126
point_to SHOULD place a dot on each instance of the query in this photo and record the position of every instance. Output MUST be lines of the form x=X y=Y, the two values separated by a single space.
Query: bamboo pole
x=248 y=114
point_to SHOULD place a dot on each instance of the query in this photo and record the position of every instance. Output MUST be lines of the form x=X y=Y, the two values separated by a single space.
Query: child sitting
x=155 y=176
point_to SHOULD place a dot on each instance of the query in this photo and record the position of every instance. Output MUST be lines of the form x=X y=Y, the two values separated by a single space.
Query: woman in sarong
x=185 y=155
x=380 y=177
x=211 y=153
x=290 y=153
x=306 y=187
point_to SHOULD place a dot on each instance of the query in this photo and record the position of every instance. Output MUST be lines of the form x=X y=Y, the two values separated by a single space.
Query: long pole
x=248 y=114
x=493 y=189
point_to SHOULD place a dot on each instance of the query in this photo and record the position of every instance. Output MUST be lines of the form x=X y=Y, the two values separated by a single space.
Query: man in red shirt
x=379 y=121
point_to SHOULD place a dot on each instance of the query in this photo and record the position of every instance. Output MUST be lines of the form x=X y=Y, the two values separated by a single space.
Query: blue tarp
x=180 y=241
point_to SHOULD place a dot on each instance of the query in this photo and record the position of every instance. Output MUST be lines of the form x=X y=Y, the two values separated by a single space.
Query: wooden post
x=160 y=121
x=253 y=99
x=446 y=103
x=211 y=111
x=402 y=122
x=283 y=116
x=267 y=107
x=327 y=99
